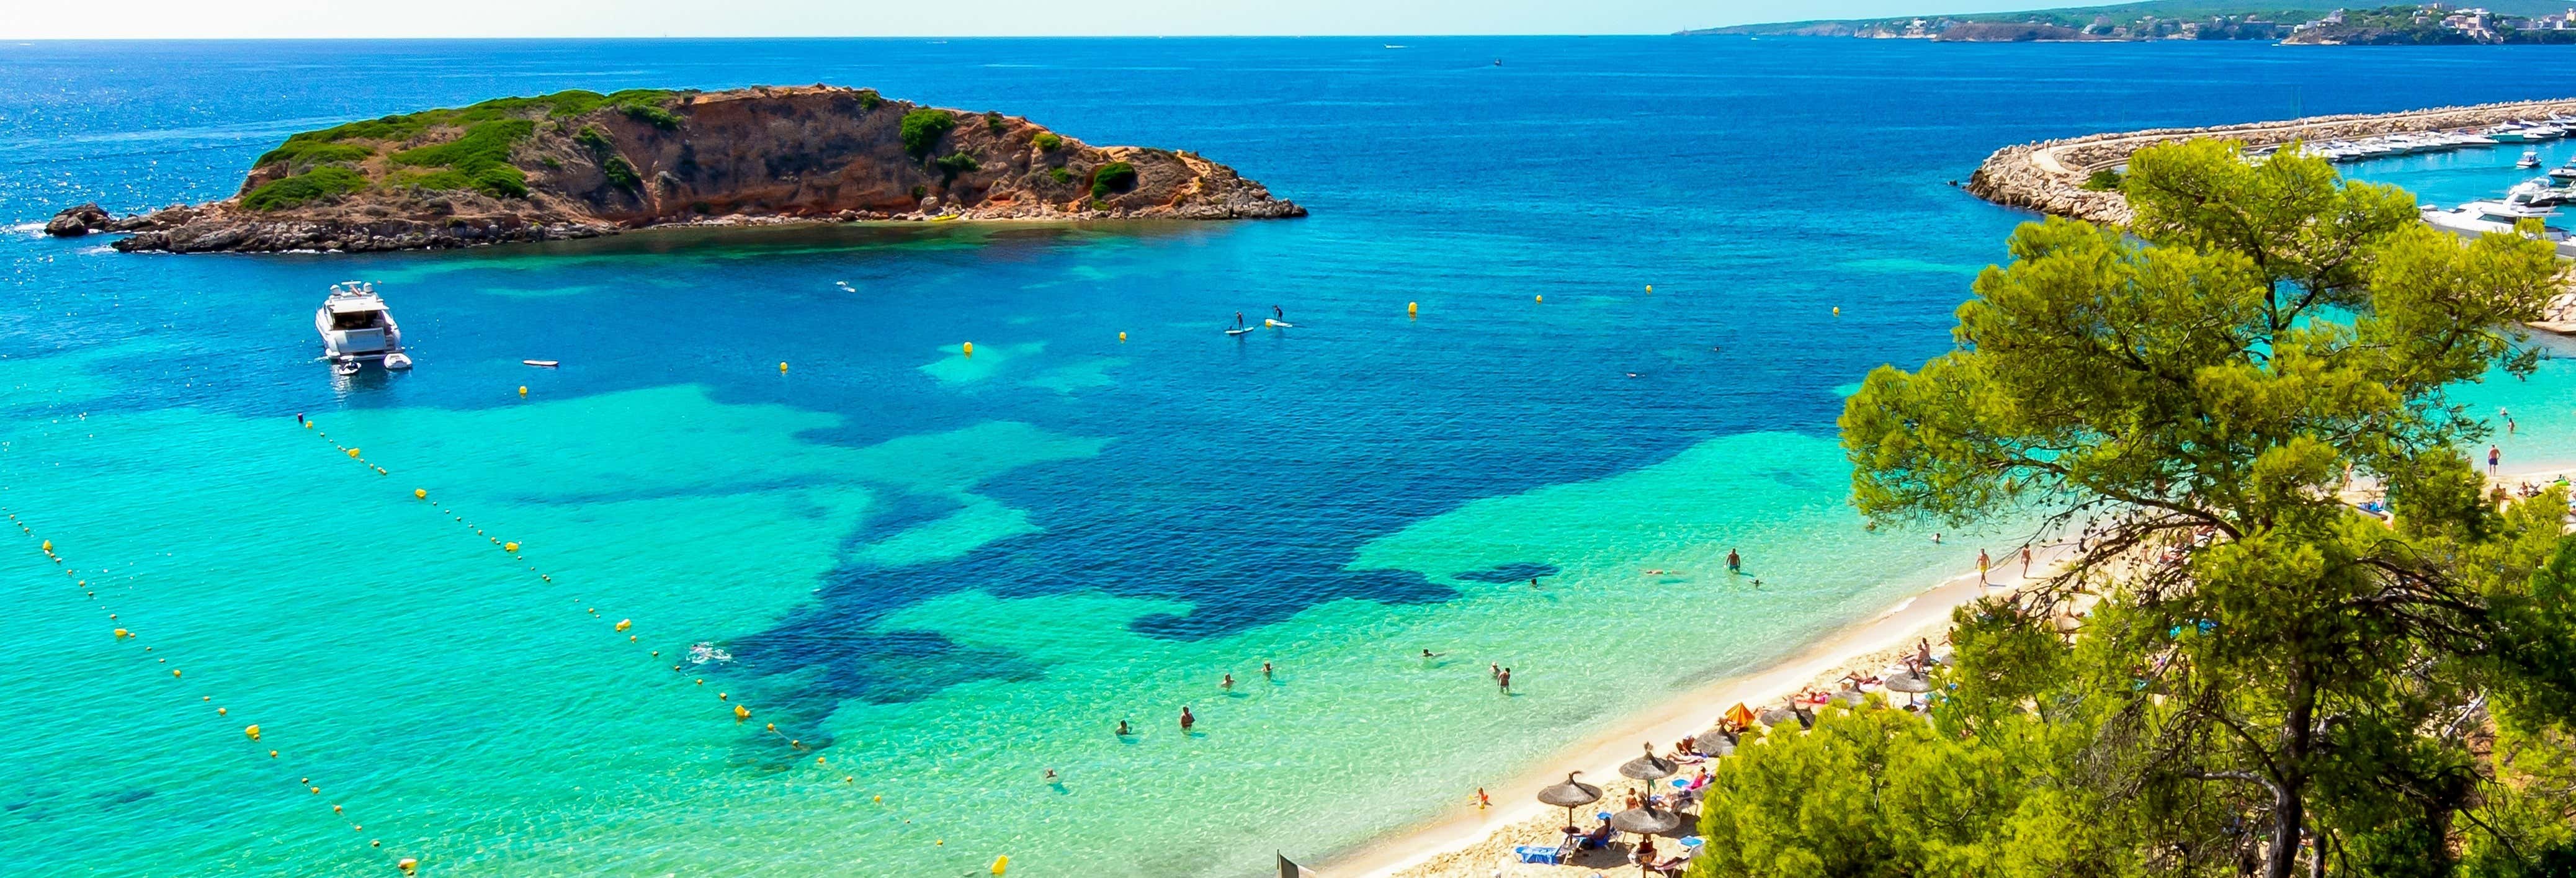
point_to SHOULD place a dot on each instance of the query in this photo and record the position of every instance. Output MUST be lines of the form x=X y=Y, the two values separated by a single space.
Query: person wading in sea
x=1734 y=562
x=1187 y=720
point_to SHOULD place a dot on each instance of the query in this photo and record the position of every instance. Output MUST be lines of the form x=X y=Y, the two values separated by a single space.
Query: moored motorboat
x=2503 y=216
x=356 y=328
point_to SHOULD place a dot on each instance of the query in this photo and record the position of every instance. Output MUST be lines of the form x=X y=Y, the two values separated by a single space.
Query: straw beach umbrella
x=1650 y=767
x=1648 y=820
x=1714 y=742
x=1910 y=683
x=1570 y=795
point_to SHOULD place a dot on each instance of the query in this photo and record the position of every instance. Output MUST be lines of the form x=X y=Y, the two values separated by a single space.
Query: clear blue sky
x=199 y=19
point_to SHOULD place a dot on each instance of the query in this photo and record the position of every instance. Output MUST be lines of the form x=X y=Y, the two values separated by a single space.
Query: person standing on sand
x=1483 y=801
x=2025 y=560
x=1734 y=562
x=1983 y=563
x=1187 y=720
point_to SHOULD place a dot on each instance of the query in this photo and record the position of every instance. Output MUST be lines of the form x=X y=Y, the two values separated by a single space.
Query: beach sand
x=1476 y=843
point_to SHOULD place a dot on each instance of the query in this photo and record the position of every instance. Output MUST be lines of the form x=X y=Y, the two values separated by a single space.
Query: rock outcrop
x=581 y=164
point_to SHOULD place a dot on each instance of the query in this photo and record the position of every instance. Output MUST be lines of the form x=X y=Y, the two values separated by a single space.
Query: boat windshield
x=356 y=319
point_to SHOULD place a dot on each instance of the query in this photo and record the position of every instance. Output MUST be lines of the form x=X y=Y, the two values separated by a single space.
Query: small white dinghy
x=397 y=361
x=541 y=364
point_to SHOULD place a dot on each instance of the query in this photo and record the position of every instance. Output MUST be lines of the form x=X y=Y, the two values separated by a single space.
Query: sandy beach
x=1473 y=843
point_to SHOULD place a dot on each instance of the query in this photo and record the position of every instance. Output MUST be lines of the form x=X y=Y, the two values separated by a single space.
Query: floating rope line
x=252 y=732
x=740 y=712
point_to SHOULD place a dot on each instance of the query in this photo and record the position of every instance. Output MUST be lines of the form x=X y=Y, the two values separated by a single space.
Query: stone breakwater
x=2048 y=176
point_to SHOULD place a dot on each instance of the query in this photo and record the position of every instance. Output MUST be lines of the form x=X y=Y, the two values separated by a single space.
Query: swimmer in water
x=1050 y=775
x=1228 y=685
x=1494 y=670
x=1265 y=670
x=1186 y=719
x=1432 y=655
x=1122 y=729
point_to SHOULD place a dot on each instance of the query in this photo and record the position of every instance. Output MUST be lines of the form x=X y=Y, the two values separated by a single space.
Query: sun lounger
x=1530 y=853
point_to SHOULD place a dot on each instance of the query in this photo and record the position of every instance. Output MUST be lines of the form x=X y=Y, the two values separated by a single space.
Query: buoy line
x=740 y=712
x=251 y=732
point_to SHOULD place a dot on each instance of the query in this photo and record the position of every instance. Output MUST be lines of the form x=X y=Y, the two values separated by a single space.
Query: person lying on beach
x=1598 y=838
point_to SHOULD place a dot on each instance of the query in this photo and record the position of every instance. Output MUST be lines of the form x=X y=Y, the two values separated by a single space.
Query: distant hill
x=2153 y=19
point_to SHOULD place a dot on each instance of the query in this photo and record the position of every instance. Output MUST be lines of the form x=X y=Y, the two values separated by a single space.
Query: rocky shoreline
x=582 y=165
x=2049 y=176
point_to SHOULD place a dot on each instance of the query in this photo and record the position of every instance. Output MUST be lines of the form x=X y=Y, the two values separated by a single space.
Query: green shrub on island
x=1112 y=177
x=620 y=174
x=922 y=129
x=480 y=160
x=869 y=100
x=654 y=115
x=956 y=163
x=313 y=152
x=1061 y=175
x=1048 y=141
x=993 y=122
x=2104 y=180
x=323 y=182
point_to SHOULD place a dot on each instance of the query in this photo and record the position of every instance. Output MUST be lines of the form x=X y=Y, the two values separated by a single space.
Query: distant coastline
x=2517 y=22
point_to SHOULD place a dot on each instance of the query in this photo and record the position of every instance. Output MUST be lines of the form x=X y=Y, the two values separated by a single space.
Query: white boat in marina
x=2564 y=173
x=356 y=327
x=2530 y=159
x=2500 y=215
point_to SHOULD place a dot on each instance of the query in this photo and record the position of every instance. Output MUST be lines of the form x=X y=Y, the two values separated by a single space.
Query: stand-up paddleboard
x=1278 y=324
x=541 y=364
x=1238 y=330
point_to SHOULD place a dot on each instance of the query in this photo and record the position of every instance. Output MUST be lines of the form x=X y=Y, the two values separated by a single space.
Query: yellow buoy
x=48 y=546
x=741 y=713
x=121 y=634
x=523 y=390
x=880 y=799
x=1538 y=298
x=220 y=711
x=1412 y=309
x=272 y=754
x=1001 y=864
x=174 y=672
x=782 y=365
x=623 y=624
x=818 y=760
x=509 y=547
x=970 y=348
x=1122 y=336
x=1838 y=310
x=408 y=864
x=308 y=425
x=253 y=732
x=420 y=493
x=1650 y=288
x=353 y=452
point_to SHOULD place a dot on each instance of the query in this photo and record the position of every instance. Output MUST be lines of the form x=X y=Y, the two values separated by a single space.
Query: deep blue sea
x=941 y=576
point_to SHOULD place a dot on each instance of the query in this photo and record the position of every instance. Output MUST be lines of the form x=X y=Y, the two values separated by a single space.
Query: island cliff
x=580 y=164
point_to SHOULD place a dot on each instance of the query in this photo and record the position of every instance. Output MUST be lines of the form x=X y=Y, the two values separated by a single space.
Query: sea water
x=943 y=576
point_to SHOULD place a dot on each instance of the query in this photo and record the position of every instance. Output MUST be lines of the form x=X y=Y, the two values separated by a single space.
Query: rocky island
x=580 y=164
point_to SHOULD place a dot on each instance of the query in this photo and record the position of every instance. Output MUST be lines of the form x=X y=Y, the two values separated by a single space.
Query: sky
x=252 y=19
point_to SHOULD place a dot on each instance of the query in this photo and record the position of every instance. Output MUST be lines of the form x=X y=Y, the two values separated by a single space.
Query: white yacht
x=357 y=327
x=2481 y=217
x=2530 y=159
x=2564 y=173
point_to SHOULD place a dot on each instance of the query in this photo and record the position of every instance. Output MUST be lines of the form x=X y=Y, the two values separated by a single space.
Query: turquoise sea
x=942 y=576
